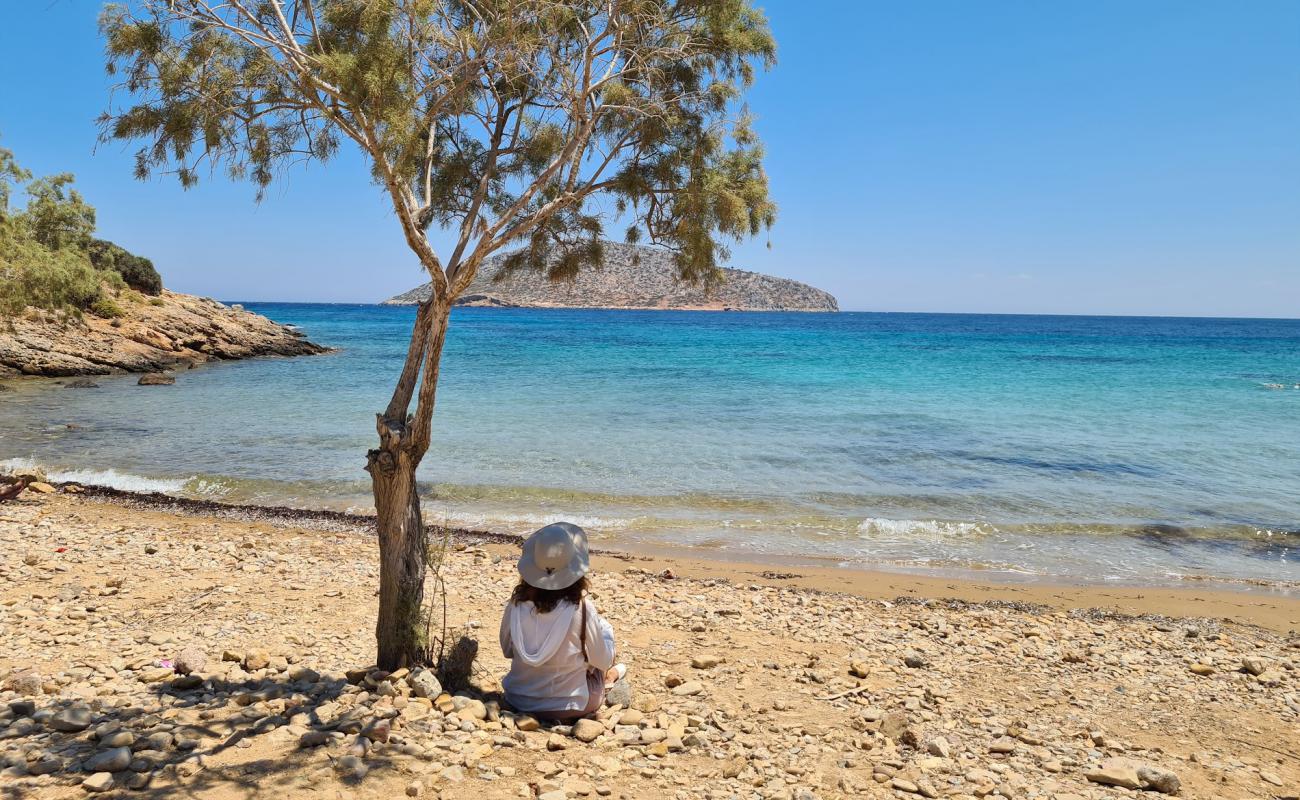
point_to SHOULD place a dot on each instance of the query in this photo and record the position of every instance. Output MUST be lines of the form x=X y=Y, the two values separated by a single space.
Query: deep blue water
x=1078 y=447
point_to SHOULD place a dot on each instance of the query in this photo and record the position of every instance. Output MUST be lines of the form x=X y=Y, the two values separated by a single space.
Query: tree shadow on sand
x=296 y=731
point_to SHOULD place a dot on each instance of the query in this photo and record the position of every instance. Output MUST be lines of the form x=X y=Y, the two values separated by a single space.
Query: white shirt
x=547 y=670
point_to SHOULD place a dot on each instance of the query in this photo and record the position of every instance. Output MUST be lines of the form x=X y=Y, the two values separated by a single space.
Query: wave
x=521 y=522
x=873 y=527
x=111 y=478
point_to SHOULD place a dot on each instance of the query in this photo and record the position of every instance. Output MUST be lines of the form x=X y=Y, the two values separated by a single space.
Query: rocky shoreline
x=146 y=652
x=168 y=332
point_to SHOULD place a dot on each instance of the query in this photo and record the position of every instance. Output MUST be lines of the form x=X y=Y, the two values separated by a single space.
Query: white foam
x=519 y=522
x=111 y=478
x=888 y=528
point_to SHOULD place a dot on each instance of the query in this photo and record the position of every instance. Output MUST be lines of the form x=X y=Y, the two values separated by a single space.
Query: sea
x=1036 y=448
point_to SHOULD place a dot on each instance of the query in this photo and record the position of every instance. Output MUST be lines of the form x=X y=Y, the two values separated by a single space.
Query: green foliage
x=48 y=258
x=57 y=215
x=137 y=271
x=506 y=122
x=33 y=275
x=106 y=307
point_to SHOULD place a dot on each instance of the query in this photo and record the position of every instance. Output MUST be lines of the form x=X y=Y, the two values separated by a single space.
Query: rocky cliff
x=625 y=281
x=165 y=332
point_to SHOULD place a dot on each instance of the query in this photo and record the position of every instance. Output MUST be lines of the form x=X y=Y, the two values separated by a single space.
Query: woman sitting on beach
x=561 y=650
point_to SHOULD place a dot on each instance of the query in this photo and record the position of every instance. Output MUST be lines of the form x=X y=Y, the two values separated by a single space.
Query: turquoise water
x=1068 y=447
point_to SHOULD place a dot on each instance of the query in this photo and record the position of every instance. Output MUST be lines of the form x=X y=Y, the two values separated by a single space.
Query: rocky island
x=632 y=277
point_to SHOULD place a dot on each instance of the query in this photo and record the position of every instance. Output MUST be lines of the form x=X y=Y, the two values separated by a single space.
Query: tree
x=48 y=256
x=501 y=122
x=58 y=216
x=43 y=261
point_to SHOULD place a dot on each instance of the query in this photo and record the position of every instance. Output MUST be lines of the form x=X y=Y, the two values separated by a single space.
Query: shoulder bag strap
x=582 y=632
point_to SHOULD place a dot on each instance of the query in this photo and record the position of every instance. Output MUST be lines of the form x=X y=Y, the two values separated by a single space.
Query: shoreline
x=158 y=649
x=1272 y=606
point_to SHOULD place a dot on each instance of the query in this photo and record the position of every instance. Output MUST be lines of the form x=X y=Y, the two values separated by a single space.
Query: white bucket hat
x=555 y=557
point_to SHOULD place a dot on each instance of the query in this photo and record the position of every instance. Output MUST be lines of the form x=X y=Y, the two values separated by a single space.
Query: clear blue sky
x=1073 y=156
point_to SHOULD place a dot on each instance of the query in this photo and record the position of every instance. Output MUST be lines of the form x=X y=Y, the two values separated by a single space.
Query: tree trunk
x=400 y=631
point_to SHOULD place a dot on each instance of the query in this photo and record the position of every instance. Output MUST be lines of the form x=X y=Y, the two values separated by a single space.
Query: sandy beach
x=748 y=681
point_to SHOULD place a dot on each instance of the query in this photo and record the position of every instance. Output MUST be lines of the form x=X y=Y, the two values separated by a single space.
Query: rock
x=232 y=655
x=313 y=739
x=672 y=680
x=939 y=746
x=40 y=487
x=1254 y=665
x=859 y=669
x=1202 y=669
x=555 y=742
x=620 y=694
x=414 y=789
x=303 y=674
x=24 y=682
x=256 y=659
x=1159 y=779
x=1003 y=745
x=22 y=708
x=904 y=785
x=114 y=760
x=689 y=688
x=1130 y=774
x=377 y=730
x=587 y=730
x=189 y=660
x=99 y=782
x=472 y=710
x=893 y=725
x=156 y=379
x=185 y=683
x=527 y=723
x=424 y=683
x=81 y=383
x=157 y=674
x=1270 y=777
x=706 y=661
x=352 y=767
x=72 y=719
x=914 y=660
x=45 y=766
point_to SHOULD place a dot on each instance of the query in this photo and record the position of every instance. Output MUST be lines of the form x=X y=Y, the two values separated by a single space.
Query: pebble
x=72 y=719
x=114 y=760
x=587 y=730
x=1131 y=774
x=777 y=718
x=99 y=782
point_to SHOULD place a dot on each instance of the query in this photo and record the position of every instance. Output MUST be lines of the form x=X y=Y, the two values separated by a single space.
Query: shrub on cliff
x=137 y=271
x=33 y=275
x=49 y=258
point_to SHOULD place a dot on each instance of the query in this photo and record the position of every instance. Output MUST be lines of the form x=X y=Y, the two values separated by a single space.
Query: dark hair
x=547 y=599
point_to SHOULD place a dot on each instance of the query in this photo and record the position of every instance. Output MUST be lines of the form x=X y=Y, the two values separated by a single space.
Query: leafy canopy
x=49 y=258
x=505 y=122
